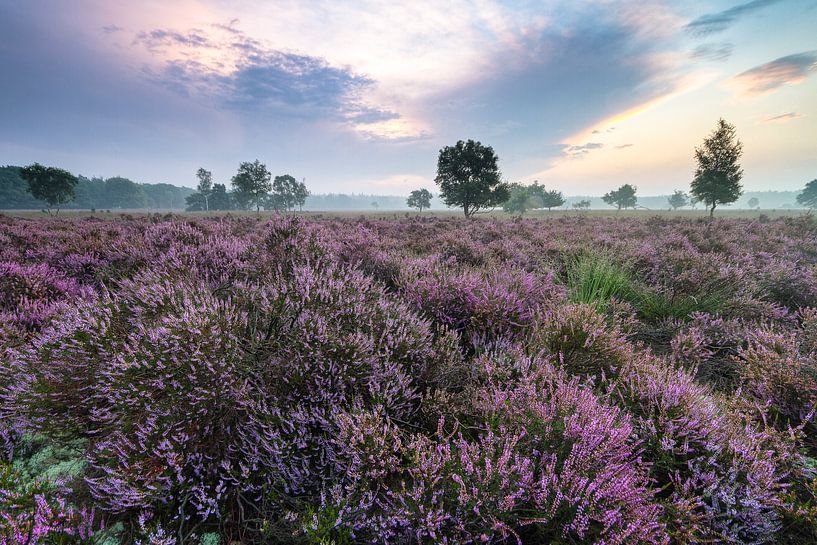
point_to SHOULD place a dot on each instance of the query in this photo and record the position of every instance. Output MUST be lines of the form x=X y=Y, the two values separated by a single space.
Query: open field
x=589 y=378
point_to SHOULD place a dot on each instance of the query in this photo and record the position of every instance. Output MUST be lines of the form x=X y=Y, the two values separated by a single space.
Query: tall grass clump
x=595 y=278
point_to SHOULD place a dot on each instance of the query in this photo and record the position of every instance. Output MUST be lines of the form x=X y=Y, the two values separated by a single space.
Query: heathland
x=265 y=379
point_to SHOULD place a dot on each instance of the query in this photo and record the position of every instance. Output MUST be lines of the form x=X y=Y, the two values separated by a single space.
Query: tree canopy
x=53 y=185
x=718 y=174
x=251 y=184
x=469 y=178
x=808 y=197
x=419 y=198
x=623 y=197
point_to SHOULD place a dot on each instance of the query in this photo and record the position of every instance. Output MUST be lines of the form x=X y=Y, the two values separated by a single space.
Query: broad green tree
x=808 y=197
x=419 y=199
x=284 y=192
x=678 y=199
x=53 y=185
x=251 y=184
x=623 y=197
x=552 y=199
x=469 y=178
x=718 y=174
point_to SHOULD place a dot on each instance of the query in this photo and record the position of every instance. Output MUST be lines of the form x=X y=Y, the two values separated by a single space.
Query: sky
x=359 y=96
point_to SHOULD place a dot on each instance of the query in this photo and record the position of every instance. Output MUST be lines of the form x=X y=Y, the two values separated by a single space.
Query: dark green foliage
x=287 y=192
x=53 y=185
x=469 y=177
x=718 y=174
x=808 y=197
x=123 y=193
x=419 y=199
x=251 y=185
x=623 y=197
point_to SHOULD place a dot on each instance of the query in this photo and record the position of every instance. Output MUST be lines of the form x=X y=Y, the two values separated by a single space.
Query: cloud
x=156 y=39
x=767 y=77
x=712 y=52
x=582 y=149
x=622 y=146
x=232 y=71
x=713 y=23
x=782 y=118
x=111 y=29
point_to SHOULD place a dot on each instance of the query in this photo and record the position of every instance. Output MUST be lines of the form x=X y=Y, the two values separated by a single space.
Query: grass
x=596 y=278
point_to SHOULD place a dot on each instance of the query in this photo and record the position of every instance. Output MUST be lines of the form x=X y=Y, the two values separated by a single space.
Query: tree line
x=469 y=178
x=52 y=187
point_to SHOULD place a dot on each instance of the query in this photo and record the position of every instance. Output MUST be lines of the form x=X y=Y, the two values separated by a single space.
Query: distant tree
x=301 y=193
x=284 y=190
x=220 y=199
x=194 y=202
x=582 y=205
x=718 y=174
x=623 y=197
x=419 y=199
x=469 y=177
x=375 y=205
x=123 y=193
x=754 y=203
x=678 y=199
x=808 y=197
x=205 y=186
x=251 y=184
x=519 y=201
x=693 y=202
x=552 y=199
x=53 y=185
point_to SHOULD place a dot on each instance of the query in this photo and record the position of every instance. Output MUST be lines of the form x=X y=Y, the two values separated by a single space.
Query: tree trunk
x=712 y=211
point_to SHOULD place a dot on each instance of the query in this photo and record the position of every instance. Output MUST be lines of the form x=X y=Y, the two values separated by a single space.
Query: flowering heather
x=426 y=380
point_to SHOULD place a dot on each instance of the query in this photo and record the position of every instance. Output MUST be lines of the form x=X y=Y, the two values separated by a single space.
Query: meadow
x=576 y=379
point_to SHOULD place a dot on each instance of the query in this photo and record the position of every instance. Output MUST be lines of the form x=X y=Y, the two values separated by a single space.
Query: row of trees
x=55 y=188
x=252 y=187
x=469 y=178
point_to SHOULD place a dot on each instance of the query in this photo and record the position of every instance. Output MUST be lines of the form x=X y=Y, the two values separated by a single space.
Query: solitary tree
x=284 y=192
x=753 y=203
x=205 y=186
x=718 y=174
x=582 y=205
x=419 y=199
x=469 y=177
x=678 y=199
x=623 y=197
x=808 y=197
x=552 y=199
x=251 y=184
x=53 y=185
